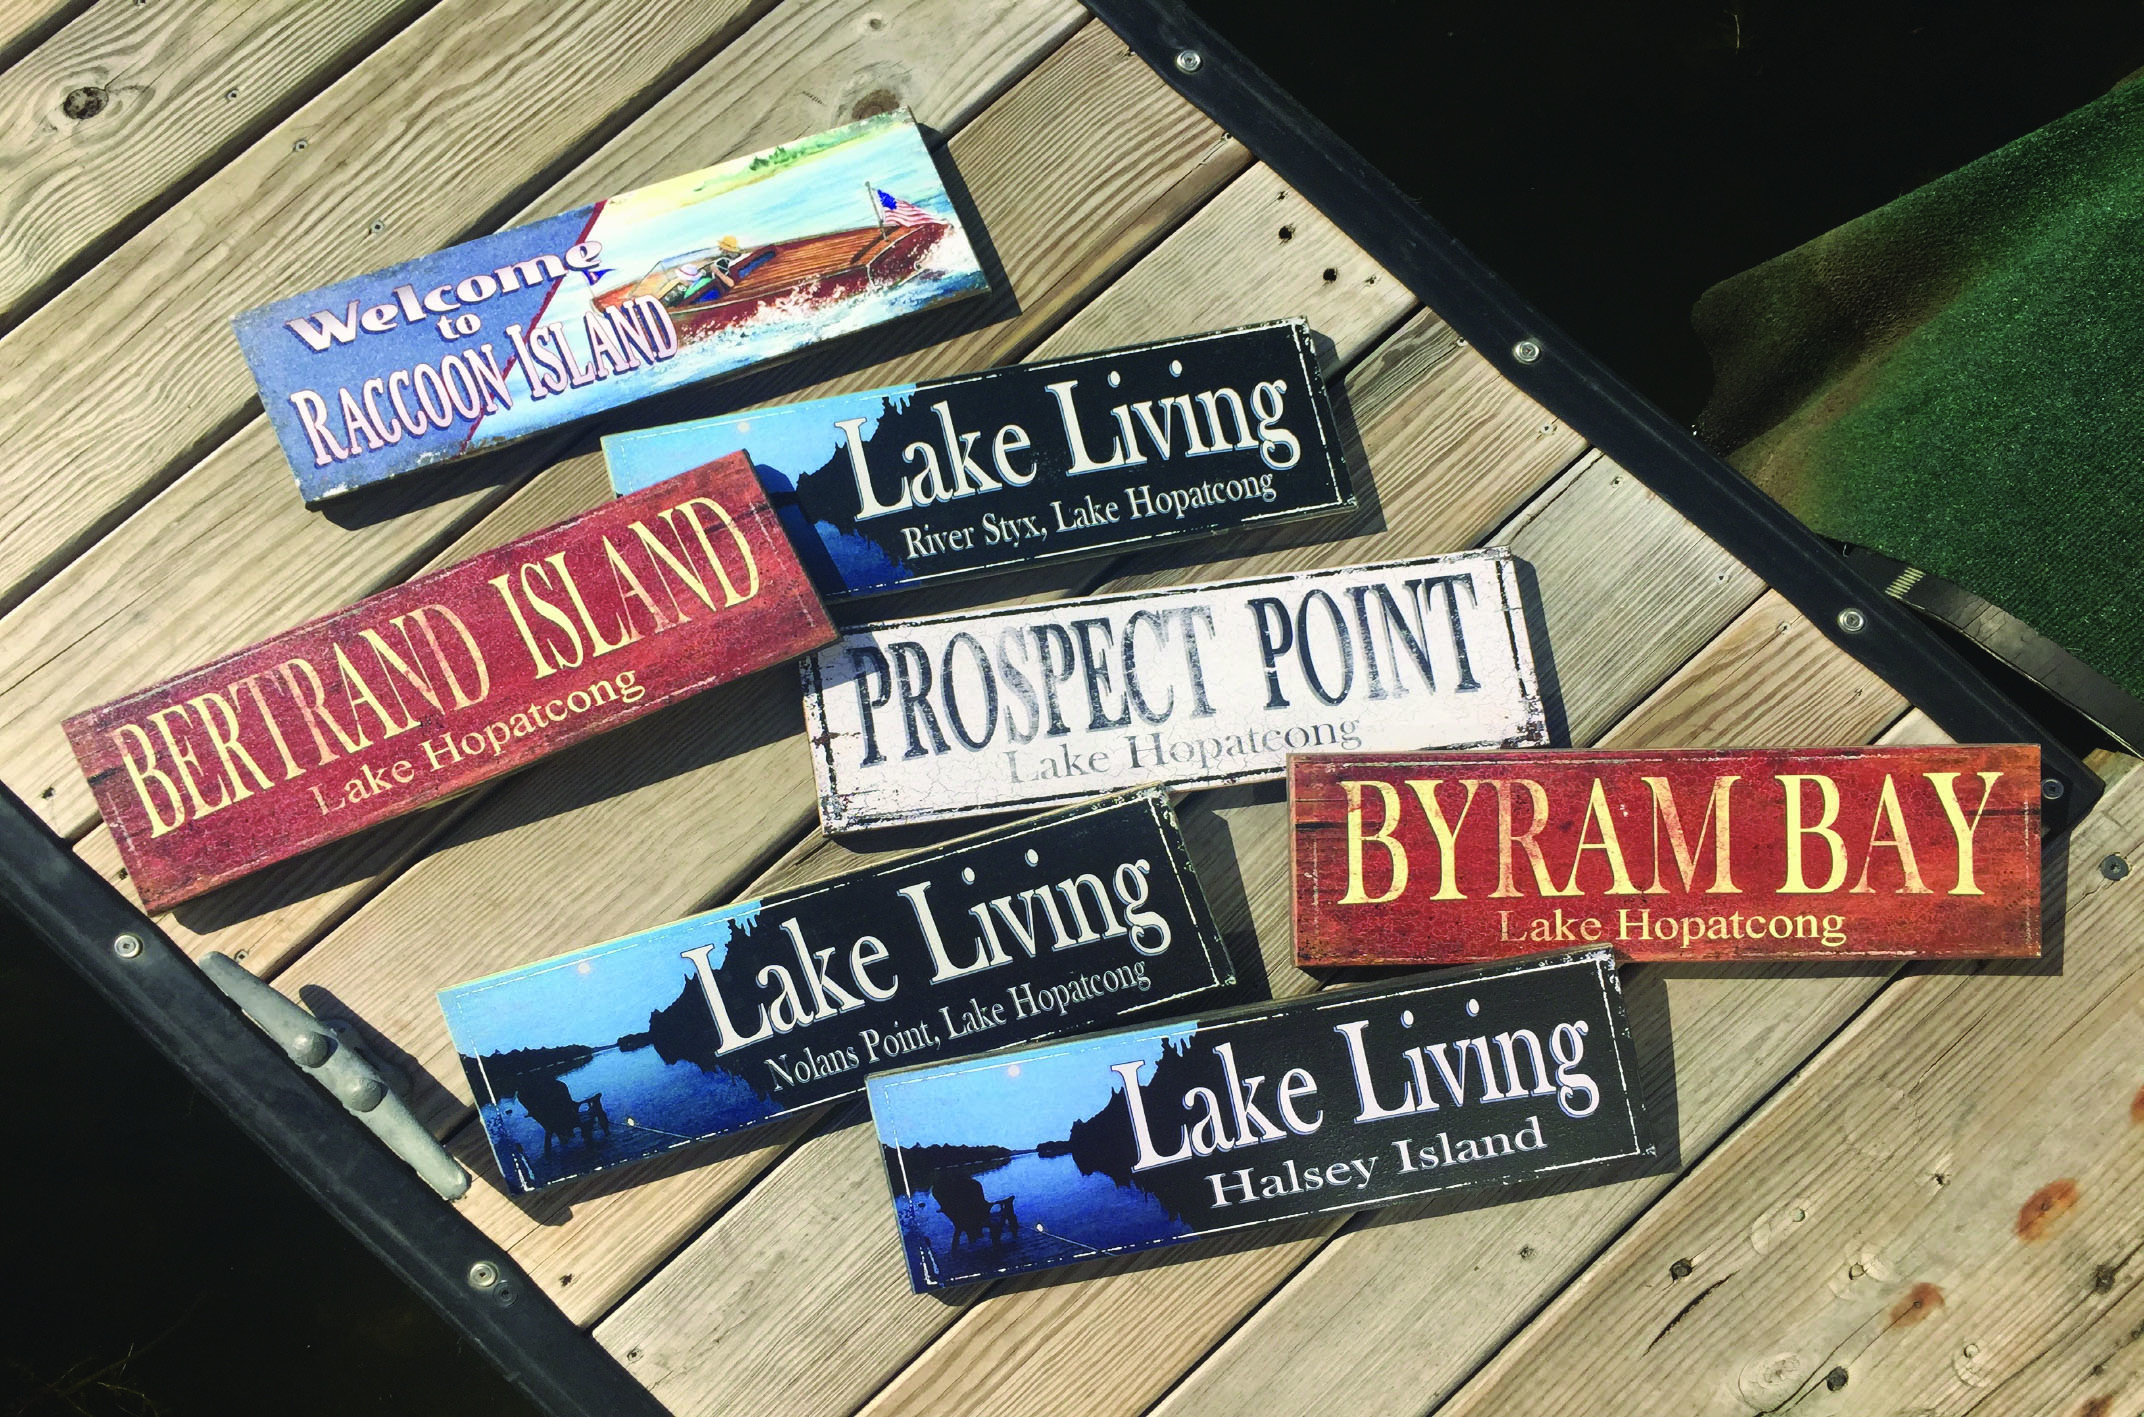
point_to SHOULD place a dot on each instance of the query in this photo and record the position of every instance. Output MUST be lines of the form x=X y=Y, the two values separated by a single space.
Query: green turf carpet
x=1957 y=380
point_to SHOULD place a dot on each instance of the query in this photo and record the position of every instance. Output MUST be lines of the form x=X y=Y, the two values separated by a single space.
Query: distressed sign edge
x=150 y=886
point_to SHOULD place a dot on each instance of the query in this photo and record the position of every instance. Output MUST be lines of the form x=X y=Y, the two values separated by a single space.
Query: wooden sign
x=445 y=681
x=1813 y=853
x=1124 y=1141
x=976 y=713
x=748 y=1013
x=501 y=337
x=904 y=486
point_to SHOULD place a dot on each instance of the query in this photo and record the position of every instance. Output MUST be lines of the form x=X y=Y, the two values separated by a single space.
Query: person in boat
x=713 y=272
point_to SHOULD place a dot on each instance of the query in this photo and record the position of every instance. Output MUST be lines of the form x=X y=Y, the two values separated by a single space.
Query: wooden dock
x=1890 y=1190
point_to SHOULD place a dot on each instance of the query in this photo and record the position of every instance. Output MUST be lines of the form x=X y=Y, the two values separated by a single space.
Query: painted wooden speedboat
x=816 y=269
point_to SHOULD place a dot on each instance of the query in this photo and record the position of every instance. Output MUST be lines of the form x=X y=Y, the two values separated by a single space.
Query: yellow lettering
x=557 y=559
x=316 y=712
x=356 y=691
x=555 y=615
x=1425 y=791
x=1946 y=786
x=680 y=566
x=1506 y=838
x=630 y=589
x=1597 y=813
x=252 y=685
x=730 y=595
x=504 y=587
x=143 y=773
x=1397 y=854
x=392 y=664
x=182 y=756
x=1829 y=792
x=213 y=707
x=1665 y=812
x=1887 y=808
x=462 y=698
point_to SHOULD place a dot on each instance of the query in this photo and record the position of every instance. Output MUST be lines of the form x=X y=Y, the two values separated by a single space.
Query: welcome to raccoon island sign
x=978 y=713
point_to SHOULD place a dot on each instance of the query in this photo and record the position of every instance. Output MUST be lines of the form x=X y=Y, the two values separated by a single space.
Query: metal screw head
x=2052 y=788
x=1188 y=61
x=483 y=1275
x=127 y=946
x=2114 y=867
x=1853 y=621
x=1526 y=351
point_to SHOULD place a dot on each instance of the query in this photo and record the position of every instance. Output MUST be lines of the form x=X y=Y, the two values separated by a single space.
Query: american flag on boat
x=892 y=211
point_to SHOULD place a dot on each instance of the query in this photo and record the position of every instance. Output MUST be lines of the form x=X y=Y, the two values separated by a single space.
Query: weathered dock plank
x=258 y=561
x=114 y=116
x=25 y=24
x=1936 y=1208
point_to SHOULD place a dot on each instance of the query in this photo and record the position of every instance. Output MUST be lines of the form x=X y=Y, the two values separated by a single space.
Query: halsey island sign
x=1123 y=1141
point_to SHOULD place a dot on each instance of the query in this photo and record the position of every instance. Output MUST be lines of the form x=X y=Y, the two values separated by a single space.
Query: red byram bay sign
x=421 y=691
x=1419 y=858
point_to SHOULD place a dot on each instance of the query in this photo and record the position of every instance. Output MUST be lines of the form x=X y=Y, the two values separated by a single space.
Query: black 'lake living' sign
x=744 y=1014
x=896 y=487
x=1350 y=1098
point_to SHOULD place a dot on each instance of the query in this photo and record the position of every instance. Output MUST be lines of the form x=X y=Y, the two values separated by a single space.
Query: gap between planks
x=1878 y=1217
x=127 y=108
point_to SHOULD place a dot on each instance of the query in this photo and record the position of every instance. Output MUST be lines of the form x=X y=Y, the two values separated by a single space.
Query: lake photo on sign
x=498 y=338
x=1348 y=1099
x=967 y=714
x=901 y=486
x=744 y=1014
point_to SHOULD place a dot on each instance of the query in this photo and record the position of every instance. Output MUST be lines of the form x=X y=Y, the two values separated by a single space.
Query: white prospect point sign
x=1017 y=709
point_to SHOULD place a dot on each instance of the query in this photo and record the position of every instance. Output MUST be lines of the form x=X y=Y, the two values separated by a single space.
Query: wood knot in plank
x=85 y=102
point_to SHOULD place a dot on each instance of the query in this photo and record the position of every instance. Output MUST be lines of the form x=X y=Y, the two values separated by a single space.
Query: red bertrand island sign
x=443 y=682
x=1437 y=858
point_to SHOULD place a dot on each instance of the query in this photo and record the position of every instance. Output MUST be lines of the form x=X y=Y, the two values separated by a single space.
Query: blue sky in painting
x=788 y=439
x=590 y=996
x=1013 y=1100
